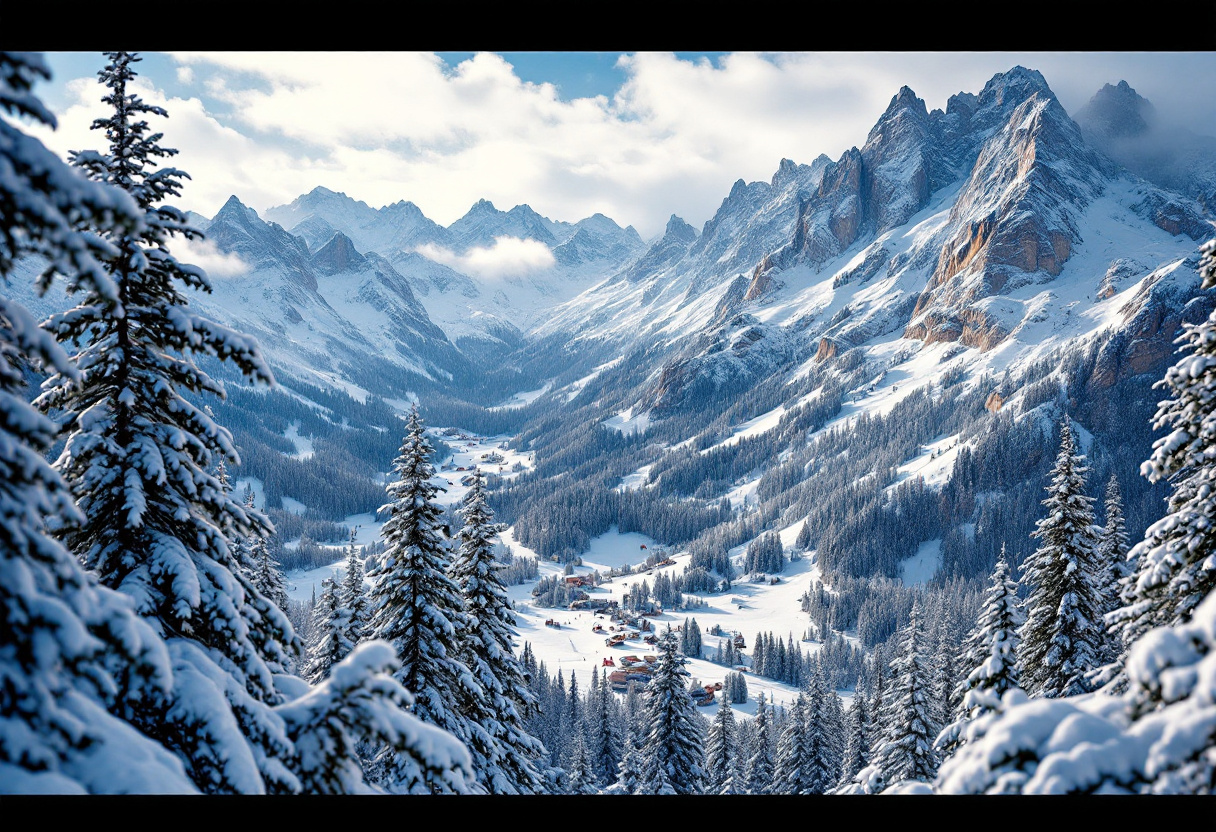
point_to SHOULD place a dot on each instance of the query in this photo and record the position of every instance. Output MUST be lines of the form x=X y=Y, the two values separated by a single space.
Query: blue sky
x=635 y=136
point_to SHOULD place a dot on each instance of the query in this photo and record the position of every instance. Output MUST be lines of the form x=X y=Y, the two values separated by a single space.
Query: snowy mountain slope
x=890 y=247
x=332 y=312
x=485 y=278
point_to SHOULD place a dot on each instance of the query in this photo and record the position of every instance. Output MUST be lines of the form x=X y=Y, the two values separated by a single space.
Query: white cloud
x=508 y=257
x=206 y=256
x=383 y=127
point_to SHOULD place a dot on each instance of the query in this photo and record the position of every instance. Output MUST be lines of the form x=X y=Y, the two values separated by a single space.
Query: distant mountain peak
x=339 y=255
x=677 y=229
x=1116 y=112
x=233 y=208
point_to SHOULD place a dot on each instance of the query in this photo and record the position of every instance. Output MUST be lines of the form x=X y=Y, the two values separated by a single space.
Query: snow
x=576 y=387
x=629 y=423
x=921 y=567
x=304 y=449
x=294 y=506
x=636 y=480
x=525 y=398
x=576 y=649
x=934 y=465
x=259 y=491
x=741 y=494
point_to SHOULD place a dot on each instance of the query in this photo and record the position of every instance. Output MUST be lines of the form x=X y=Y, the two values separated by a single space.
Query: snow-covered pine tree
x=331 y=634
x=792 y=769
x=157 y=525
x=71 y=651
x=581 y=778
x=672 y=748
x=353 y=595
x=486 y=648
x=758 y=773
x=822 y=746
x=989 y=655
x=803 y=542
x=1158 y=736
x=905 y=751
x=721 y=750
x=417 y=608
x=857 y=741
x=1062 y=634
x=604 y=734
x=360 y=702
x=268 y=573
x=630 y=776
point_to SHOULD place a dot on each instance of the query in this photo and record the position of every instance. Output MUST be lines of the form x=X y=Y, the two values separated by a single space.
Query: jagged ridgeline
x=880 y=347
x=933 y=301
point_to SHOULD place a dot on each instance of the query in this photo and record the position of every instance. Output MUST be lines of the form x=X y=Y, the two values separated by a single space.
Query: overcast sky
x=637 y=137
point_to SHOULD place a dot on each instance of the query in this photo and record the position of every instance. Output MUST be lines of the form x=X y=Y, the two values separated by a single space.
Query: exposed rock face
x=827 y=349
x=1014 y=222
x=1166 y=300
x=338 y=255
x=237 y=229
x=994 y=402
x=720 y=363
x=876 y=256
x=1117 y=274
x=664 y=253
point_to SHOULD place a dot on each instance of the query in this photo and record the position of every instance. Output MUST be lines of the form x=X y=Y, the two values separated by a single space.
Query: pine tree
x=673 y=744
x=157 y=525
x=71 y=651
x=857 y=742
x=331 y=634
x=906 y=749
x=630 y=778
x=418 y=609
x=822 y=749
x=721 y=751
x=1060 y=640
x=359 y=703
x=792 y=767
x=354 y=594
x=486 y=648
x=989 y=655
x=758 y=776
x=582 y=778
x=604 y=736
x=268 y=573
x=803 y=541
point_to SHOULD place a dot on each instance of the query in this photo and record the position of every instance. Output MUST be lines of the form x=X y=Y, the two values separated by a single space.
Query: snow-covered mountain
x=333 y=314
x=487 y=277
x=994 y=226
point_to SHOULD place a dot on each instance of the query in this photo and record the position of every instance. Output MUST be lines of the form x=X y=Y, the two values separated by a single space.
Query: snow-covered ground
x=628 y=422
x=922 y=566
x=749 y=608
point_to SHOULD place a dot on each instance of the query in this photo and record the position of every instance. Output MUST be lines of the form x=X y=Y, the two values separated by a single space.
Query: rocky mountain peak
x=1116 y=112
x=679 y=230
x=338 y=255
x=235 y=210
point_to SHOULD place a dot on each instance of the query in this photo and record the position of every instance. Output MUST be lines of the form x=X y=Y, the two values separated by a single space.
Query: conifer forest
x=897 y=477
